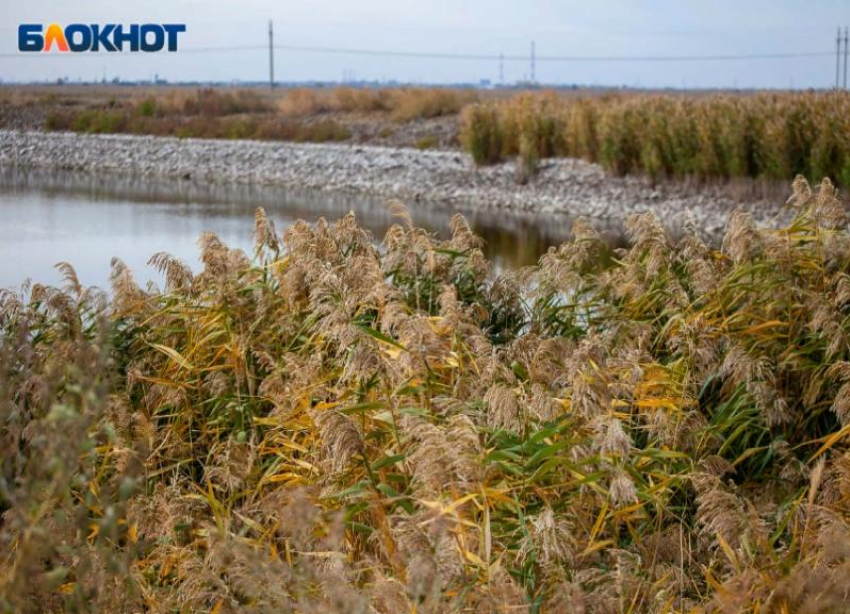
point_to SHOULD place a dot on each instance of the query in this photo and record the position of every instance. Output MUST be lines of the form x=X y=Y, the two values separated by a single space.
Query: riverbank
x=563 y=185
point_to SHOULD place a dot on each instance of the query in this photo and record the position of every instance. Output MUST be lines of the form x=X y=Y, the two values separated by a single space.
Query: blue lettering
x=78 y=36
x=158 y=37
x=172 y=29
x=30 y=37
x=101 y=37
x=120 y=37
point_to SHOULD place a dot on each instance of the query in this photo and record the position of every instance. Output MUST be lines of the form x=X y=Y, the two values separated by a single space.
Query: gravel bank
x=563 y=185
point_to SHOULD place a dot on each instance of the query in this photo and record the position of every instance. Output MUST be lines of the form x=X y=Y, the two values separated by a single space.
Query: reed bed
x=399 y=104
x=204 y=113
x=301 y=114
x=767 y=136
x=325 y=426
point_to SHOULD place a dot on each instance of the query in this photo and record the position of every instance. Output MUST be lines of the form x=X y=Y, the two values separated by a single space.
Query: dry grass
x=294 y=115
x=326 y=426
x=419 y=103
x=771 y=136
x=402 y=105
x=765 y=137
x=303 y=102
x=201 y=114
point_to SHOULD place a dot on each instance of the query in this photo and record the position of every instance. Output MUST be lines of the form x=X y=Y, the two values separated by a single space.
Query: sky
x=481 y=27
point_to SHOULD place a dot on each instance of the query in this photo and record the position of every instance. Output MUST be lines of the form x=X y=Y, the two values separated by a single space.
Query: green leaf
x=380 y=336
x=362 y=408
x=359 y=488
x=359 y=527
x=387 y=461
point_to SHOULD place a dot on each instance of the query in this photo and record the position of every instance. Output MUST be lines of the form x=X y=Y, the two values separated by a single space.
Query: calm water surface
x=50 y=217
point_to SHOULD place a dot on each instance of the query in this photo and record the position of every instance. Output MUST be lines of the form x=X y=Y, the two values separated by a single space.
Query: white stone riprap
x=563 y=185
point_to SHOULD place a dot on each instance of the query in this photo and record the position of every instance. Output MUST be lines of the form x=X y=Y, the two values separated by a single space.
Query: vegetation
x=206 y=113
x=333 y=427
x=293 y=115
x=771 y=136
x=767 y=136
x=427 y=142
x=401 y=104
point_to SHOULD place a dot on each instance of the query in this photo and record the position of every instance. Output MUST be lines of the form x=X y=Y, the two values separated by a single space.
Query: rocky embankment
x=563 y=185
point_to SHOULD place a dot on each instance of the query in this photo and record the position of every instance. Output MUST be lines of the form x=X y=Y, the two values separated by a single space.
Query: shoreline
x=563 y=186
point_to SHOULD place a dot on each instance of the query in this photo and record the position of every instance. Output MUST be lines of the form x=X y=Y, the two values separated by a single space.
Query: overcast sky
x=559 y=27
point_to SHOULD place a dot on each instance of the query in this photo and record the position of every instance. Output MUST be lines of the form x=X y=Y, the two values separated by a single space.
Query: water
x=86 y=220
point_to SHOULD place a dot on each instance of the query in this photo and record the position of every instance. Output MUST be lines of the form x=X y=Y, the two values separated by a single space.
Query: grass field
x=390 y=116
x=325 y=426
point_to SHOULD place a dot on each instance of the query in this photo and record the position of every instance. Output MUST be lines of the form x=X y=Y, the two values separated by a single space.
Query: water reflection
x=49 y=217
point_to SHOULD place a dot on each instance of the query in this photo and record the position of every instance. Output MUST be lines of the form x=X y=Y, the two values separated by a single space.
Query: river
x=47 y=217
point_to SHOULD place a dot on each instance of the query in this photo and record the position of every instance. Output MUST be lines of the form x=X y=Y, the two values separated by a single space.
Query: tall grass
x=325 y=426
x=206 y=113
x=772 y=136
x=300 y=114
x=400 y=104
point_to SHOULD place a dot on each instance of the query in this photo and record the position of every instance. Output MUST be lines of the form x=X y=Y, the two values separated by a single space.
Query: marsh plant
x=329 y=426
x=299 y=114
x=715 y=136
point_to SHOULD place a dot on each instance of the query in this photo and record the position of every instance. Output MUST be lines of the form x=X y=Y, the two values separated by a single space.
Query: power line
x=552 y=58
x=456 y=56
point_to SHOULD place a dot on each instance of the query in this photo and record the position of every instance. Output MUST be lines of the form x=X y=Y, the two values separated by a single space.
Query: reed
x=771 y=136
x=400 y=104
x=262 y=127
x=326 y=426
x=300 y=114
x=410 y=104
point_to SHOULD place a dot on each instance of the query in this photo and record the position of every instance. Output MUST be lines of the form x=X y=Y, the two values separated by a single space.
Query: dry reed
x=330 y=427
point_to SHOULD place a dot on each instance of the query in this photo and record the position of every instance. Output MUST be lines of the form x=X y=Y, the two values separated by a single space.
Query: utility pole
x=533 y=77
x=271 y=55
x=501 y=69
x=837 y=57
x=845 y=55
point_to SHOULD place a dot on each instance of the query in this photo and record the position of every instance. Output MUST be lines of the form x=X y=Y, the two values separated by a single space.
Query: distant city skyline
x=619 y=28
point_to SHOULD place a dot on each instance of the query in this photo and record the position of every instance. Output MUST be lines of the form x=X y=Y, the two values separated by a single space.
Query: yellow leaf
x=283 y=477
x=666 y=403
x=757 y=327
x=391 y=351
x=597 y=526
x=727 y=549
x=474 y=559
x=831 y=441
x=303 y=464
x=591 y=548
x=628 y=510
x=174 y=355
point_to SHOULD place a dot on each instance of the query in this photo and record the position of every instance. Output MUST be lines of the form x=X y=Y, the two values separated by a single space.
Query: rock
x=564 y=185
